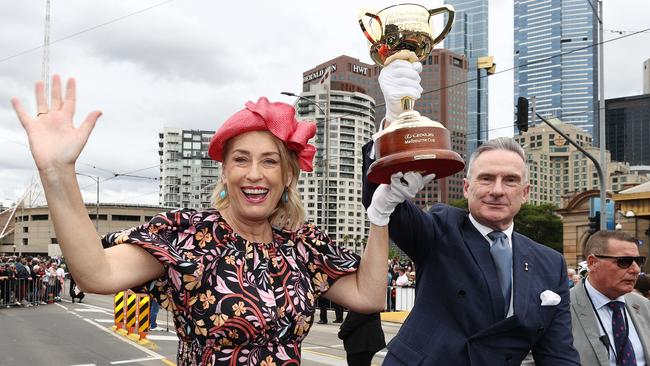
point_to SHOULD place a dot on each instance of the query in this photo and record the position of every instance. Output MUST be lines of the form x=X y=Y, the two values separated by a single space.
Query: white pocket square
x=549 y=298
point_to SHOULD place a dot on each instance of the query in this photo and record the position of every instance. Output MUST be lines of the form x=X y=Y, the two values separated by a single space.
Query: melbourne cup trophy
x=413 y=142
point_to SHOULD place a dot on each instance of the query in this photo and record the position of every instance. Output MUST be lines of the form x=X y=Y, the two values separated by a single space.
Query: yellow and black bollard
x=143 y=316
x=131 y=311
x=119 y=313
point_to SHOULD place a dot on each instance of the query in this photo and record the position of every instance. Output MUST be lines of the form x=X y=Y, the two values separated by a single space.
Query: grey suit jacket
x=586 y=330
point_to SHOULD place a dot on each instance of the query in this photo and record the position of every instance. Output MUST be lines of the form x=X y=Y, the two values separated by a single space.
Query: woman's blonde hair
x=289 y=215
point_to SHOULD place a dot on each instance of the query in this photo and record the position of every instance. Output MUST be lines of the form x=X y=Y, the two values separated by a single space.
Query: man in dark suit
x=604 y=302
x=485 y=294
x=362 y=337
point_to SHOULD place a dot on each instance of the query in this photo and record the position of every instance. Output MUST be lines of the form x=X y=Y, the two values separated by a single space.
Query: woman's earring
x=224 y=193
x=285 y=195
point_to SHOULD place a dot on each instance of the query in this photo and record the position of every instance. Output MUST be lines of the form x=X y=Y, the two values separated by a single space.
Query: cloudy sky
x=148 y=64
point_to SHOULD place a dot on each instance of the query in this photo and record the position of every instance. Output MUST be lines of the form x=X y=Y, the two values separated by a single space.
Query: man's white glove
x=399 y=79
x=388 y=196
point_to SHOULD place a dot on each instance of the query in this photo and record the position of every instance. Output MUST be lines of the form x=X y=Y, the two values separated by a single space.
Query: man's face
x=607 y=277
x=496 y=189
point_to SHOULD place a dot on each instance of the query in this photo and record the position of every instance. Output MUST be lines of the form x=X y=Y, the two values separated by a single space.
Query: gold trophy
x=413 y=142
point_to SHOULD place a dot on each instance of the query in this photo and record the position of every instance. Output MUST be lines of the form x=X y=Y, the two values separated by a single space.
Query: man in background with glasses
x=611 y=325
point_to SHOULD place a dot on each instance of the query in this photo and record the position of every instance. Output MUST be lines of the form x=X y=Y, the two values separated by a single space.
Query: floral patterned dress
x=237 y=302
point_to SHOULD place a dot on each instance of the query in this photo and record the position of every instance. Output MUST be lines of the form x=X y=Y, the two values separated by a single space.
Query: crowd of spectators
x=27 y=281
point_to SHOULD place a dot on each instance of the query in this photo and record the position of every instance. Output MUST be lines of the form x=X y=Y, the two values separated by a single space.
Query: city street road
x=76 y=334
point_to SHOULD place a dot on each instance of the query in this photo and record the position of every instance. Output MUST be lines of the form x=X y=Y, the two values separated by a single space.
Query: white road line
x=90 y=310
x=136 y=360
x=86 y=364
x=161 y=337
x=313 y=347
x=125 y=340
x=104 y=320
x=323 y=358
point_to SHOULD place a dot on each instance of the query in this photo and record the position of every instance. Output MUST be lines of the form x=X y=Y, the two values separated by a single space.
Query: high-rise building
x=554 y=61
x=345 y=119
x=628 y=129
x=444 y=99
x=558 y=168
x=646 y=76
x=345 y=116
x=469 y=37
x=187 y=174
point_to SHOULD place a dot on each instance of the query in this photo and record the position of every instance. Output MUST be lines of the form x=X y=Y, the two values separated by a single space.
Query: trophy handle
x=363 y=26
x=450 y=21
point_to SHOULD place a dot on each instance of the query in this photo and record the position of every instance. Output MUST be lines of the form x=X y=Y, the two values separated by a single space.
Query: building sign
x=316 y=74
x=360 y=70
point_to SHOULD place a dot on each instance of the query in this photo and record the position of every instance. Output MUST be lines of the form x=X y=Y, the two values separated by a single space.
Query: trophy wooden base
x=441 y=162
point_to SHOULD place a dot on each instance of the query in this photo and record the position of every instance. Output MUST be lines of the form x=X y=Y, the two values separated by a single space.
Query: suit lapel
x=480 y=251
x=589 y=323
x=522 y=267
x=641 y=323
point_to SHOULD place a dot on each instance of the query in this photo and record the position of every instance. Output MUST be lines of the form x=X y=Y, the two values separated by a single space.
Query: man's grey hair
x=499 y=143
x=598 y=243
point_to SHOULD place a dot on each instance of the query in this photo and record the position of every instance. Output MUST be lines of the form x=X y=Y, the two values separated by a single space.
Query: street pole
x=601 y=114
x=599 y=170
x=478 y=107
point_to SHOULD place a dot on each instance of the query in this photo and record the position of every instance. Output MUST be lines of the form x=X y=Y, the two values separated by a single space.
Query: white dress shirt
x=484 y=230
x=600 y=302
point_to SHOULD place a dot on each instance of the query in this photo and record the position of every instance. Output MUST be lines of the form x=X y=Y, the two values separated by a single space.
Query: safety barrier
x=131 y=316
x=30 y=291
x=404 y=298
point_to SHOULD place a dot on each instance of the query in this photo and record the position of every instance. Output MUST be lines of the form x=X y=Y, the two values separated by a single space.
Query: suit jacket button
x=461 y=293
x=540 y=330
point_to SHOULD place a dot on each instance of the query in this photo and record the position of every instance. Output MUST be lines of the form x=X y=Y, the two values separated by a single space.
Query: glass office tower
x=555 y=59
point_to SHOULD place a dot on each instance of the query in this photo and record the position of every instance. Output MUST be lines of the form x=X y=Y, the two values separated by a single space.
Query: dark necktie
x=502 y=257
x=624 y=351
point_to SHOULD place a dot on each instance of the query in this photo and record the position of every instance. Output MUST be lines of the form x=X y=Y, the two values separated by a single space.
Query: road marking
x=90 y=310
x=104 y=320
x=161 y=337
x=313 y=347
x=323 y=358
x=136 y=360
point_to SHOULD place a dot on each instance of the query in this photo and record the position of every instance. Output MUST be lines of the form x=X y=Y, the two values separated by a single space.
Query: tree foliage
x=538 y=222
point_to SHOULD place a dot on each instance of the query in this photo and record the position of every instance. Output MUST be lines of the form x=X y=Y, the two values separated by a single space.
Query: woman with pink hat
x=241 y=278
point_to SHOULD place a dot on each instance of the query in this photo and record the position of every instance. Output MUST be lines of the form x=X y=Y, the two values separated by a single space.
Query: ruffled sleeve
x=324 y=260
x=163 y=238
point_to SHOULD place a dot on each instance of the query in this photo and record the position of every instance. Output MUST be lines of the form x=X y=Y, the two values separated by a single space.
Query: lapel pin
x=526 y=266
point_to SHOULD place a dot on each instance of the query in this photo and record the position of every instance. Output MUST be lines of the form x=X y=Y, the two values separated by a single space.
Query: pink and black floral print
x=237 y=302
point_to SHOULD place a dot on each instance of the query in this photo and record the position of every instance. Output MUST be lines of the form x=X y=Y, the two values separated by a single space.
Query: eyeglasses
x=625 y=261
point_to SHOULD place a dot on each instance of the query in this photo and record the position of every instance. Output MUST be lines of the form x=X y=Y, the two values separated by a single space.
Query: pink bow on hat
x=277 y=118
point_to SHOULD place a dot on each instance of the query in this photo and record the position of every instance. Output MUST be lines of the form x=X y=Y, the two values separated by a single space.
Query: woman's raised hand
x=53 y=139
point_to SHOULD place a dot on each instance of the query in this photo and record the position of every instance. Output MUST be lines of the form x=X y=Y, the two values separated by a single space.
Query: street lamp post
x=96 y=179
x=487 y=63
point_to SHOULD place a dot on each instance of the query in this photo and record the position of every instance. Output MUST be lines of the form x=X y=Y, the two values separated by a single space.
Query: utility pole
x=601 y=113
x=45 y=66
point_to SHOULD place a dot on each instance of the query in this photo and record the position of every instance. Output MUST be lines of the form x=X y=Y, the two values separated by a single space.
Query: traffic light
x=522 y=114
x=594 y=222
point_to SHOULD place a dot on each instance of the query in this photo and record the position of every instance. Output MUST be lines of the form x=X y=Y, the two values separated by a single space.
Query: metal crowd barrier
x=26 y=292
x=400 y=298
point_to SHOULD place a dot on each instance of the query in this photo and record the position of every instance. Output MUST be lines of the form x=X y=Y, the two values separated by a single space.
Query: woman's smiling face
x=252 y=172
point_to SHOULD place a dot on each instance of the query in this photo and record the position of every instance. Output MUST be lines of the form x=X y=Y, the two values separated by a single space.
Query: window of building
x=39 y=217
x=125 y=218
